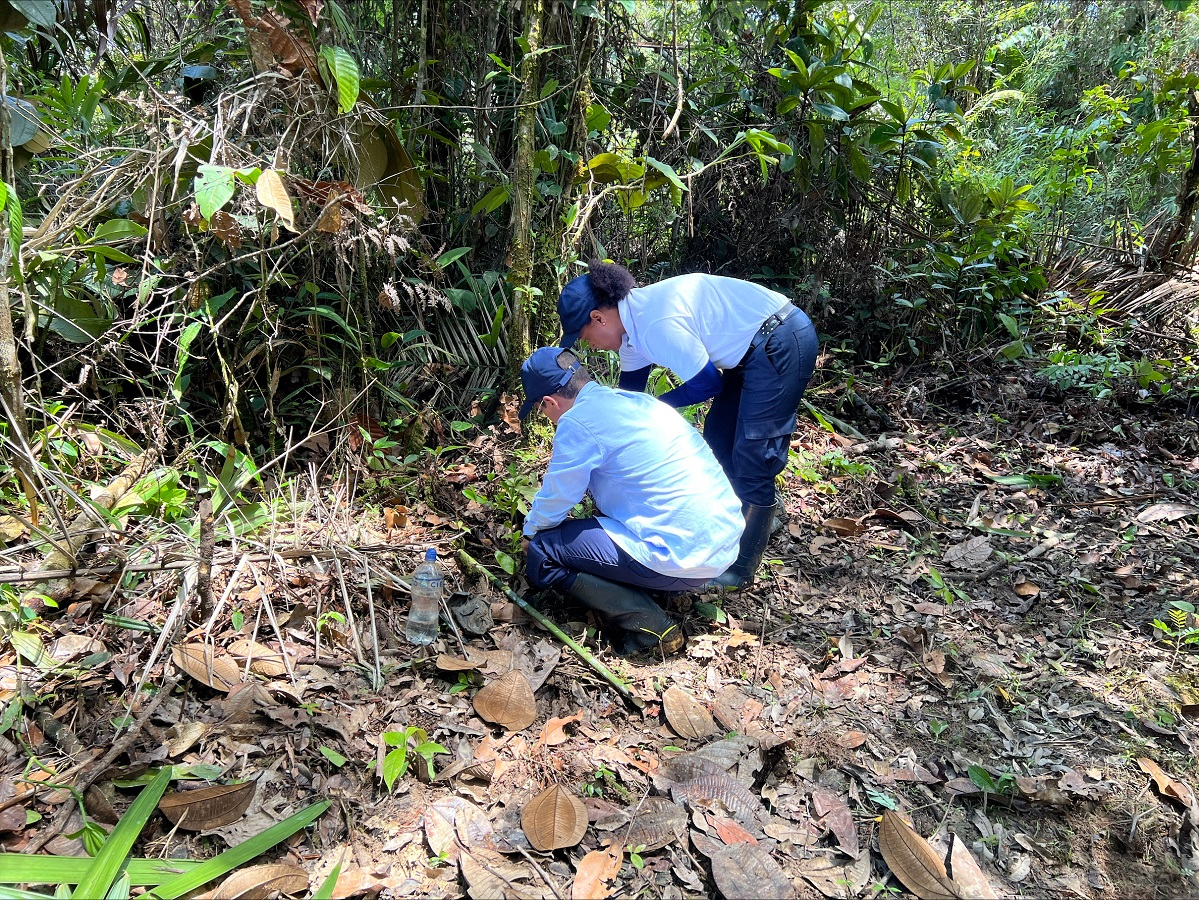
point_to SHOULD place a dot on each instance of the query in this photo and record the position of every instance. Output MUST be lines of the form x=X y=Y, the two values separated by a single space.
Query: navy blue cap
x=541 y=376
x=575 y=304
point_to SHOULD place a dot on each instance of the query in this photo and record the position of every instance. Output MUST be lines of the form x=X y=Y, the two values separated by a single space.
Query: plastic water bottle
x=427 y=583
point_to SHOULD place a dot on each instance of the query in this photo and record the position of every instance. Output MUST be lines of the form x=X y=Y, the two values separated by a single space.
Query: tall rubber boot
x=640 y=622
x=740 y=575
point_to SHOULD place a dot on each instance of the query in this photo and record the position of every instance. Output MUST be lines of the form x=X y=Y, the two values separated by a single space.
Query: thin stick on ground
x=473 y=565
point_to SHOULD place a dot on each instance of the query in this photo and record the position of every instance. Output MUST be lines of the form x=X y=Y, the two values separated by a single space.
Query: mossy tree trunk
x=520 y=331
x=10 y=363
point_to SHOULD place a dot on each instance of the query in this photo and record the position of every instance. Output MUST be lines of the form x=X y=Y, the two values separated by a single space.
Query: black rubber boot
x=740 y=575
x=639 y=622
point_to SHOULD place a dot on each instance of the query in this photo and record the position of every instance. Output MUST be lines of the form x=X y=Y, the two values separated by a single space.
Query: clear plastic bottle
x=427 y=583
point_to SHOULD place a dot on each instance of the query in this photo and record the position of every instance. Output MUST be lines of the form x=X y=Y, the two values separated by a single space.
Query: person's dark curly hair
x=609 y=282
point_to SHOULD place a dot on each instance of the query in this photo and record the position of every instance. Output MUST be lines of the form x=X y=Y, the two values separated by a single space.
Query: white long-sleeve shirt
x=662 y=496
x=685 y=322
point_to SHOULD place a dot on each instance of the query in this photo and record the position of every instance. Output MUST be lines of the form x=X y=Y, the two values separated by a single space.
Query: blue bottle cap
x=431 y=554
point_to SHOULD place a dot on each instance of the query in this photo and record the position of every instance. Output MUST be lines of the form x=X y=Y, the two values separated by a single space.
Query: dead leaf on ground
x=852 y=739
x=1169 y=512
x=838 y=878
x=913 y=861
x=489 y=874
x=969 y=554
x=200 y=662
x=263 y=660
x=206 y=808
x=844 y=527
x=474 y=660
x=596 y=872
x=687 y=716
x=508 y=701
x=554 y=732
x=183 y=736
x=1026 y=589
x=934 y=661
x=835 y=815
x=656 y=823
x=736 y=798
x=553 y=819
x=730 y=832
x=992 y=665
x=1166 y=785
x=749 y=871
x=259 y=882
x=966 y=874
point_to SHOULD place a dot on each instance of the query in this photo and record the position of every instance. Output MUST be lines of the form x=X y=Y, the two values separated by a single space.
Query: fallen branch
x=473 y=565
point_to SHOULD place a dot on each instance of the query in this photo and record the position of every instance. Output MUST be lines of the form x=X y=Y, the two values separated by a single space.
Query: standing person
x=735 y=342
x=668 y=517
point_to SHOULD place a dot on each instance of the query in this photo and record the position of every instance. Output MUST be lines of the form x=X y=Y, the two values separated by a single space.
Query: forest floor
x=956 y=623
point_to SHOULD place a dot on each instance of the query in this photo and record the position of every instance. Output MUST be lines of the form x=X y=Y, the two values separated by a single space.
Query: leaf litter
x=996 y=673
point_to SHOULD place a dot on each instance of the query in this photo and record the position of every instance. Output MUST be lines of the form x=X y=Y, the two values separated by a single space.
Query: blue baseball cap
x=575 y=304
x=541 y=376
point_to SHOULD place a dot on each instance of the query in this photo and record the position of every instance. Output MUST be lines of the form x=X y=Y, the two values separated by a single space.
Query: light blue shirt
x=663 y=498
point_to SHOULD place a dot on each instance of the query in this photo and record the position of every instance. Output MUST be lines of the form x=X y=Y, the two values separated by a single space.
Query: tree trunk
x=10 y=364
x=520 y=275
x=1171 y=248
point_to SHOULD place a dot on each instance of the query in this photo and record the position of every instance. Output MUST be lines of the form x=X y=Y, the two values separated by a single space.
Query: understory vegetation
x=268 y=269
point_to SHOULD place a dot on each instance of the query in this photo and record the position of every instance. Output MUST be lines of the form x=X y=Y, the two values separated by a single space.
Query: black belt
x=772 y=322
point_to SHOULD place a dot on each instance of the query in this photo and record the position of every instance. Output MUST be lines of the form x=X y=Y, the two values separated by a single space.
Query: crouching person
x=668 y=518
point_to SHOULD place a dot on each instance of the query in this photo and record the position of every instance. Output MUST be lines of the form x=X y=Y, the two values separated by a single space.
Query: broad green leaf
x=214 y=188
x=24 y=120
x=451 y=256
x=492 y=200
x=597 y=117
x=16 y=220
x=226 y=862
x=39 y=12
x=30 y=646
x=395 y=764
x=333 y=756
x=108 y=862
x=668 y=171
x=118 y=230
x=76 y=320
x=832 y=111
x=185 y=342
x=858 y=166
x=344 y=71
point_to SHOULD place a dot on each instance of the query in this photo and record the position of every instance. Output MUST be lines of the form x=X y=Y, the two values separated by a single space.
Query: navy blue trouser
x=750 y=423
x=557 y=554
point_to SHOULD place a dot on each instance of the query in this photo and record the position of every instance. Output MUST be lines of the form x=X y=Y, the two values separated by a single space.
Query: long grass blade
x=226 y=862
x=12 y=893
x=108 y=862
x=119 y=889
x=325 y=891
x=18 y=869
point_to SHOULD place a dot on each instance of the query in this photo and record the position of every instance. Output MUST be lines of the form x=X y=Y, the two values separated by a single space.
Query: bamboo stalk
x=583 y=653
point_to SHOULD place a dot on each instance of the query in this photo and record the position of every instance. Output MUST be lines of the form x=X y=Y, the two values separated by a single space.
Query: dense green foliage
x=260 y=217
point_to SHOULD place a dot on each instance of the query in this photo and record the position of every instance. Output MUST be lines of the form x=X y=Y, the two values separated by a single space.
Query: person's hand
x=524 y=545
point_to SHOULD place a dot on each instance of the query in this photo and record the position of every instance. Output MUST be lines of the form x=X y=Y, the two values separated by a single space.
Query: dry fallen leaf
x=259 y=882
x=687 y=716
x=835 y=815
x=749 y=871
x=554 y=819
x=1026 y=589
x=1167 y=786
x=508 y=701
x=913 y=861
x=474 y=660
x=596 y=870
x=852 y=739
x=730 y=832
x=657 y=823
x=969 y=554
x=967 y=876
x=554 y=732
x=844 y=527
x=1170 y=512
x=263 y=660
x=198 y=661
x=206 y=808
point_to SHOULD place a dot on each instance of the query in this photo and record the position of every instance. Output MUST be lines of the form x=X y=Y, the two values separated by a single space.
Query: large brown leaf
x=554 y=819
x=967 y=876
x=595 y=872
x=656 y=823
x=687 y=716
x=749 y=871
x=508 y=701
x=259 y=882
x=209 y=807
x=199 y=661
x=263 y=660
x=736 y=798
x=913 y=861
x=1169 y=787
x=837 y=817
